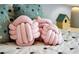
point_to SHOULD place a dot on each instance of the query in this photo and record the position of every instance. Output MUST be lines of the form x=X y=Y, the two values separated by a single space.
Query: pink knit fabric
x=24 y=30
x=49 y=32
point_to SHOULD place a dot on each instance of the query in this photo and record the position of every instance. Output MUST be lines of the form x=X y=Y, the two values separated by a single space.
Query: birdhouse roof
x=61 y=17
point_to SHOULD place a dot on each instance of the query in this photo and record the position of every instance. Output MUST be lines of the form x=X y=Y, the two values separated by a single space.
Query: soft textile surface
x=24 y=30
x=49 y=32
x=69 y=46
x=4 y=22
x=31 y=10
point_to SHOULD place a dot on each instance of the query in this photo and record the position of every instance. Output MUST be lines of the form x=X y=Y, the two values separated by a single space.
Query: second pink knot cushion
x=49 y=32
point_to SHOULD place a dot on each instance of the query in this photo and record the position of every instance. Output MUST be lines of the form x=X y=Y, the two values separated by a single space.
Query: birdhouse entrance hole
x=65 y=21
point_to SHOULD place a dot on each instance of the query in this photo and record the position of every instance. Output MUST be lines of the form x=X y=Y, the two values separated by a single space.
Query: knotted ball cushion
x=30 y=10
x=4 y=22
x=24 y=31
x=49 y=32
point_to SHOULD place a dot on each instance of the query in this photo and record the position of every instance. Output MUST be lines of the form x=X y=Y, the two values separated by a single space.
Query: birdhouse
x=63 y=21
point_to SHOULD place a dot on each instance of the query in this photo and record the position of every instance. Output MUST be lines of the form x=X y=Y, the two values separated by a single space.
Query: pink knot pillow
x=49 y=32
x=24 y=31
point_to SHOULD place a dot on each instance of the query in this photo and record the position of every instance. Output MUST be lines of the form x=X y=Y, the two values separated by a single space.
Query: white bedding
x=69 y=46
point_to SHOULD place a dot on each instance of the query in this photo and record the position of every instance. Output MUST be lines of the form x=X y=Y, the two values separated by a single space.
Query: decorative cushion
x=49 y=32
x=30 y=10
x=24 y=31
x=4 y=22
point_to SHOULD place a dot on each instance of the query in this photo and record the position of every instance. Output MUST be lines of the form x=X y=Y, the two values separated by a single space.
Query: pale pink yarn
x=49 y=32
x=24 y=31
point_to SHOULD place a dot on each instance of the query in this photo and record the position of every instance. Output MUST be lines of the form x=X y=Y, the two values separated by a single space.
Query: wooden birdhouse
x=63 y=21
